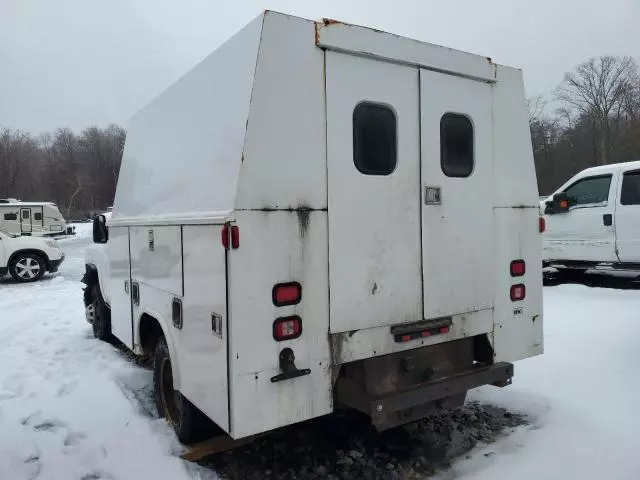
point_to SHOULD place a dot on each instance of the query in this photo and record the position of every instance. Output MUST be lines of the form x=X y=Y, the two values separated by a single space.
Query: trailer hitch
x=288 y=366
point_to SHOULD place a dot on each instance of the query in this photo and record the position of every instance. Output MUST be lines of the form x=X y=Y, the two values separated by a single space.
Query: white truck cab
x=28 y=258
x=594 y=219
x=318 y=216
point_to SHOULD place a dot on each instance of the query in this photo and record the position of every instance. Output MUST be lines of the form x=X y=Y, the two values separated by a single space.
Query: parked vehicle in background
x=27 y=258
x=340 y=217
x=594 y=219
x=33 y=218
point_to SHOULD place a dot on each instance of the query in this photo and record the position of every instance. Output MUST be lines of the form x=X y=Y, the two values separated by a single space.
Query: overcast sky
x=75 y=63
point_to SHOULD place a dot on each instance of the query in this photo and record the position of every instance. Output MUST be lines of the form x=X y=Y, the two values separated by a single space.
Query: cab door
x=586 y=231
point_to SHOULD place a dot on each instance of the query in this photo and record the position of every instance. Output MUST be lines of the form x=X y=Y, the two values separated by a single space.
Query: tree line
x=78 y=172
x=596 y=121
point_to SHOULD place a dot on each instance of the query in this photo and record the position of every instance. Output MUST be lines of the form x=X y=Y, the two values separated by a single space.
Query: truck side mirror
x=100 y=229
x=560 y=203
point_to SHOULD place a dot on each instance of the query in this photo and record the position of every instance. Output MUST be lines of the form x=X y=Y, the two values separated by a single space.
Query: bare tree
x=600 y=89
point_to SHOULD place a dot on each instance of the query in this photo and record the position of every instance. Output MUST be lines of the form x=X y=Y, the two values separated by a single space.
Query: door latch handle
x=135 y=293
x=607 y=219
x=126 y=286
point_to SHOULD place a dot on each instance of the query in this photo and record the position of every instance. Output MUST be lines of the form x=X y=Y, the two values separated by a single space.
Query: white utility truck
x=594 y=219
x=33 y=218
x=321 y=215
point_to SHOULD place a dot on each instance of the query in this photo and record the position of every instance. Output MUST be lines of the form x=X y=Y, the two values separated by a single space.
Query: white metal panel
x=183 y=150
x=374 y=220
x=120 y=284
x=580 y=233
x=284 y=158
x=627 y=225
x=276 y=247
x=518 y=330
x=513 y=165
x=203 y=352
x=366 y=41
x=156 y=257
x=457 y=233
x=157 y=304
x=373 y=342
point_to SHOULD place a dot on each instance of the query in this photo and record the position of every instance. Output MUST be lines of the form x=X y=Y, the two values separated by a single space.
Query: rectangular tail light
x=287 y=328
x=517 y=292
x=517 y=268
x=542 y=225
x=287 y=294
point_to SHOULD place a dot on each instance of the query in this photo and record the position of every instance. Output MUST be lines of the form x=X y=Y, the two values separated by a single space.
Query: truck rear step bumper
x=393 y=409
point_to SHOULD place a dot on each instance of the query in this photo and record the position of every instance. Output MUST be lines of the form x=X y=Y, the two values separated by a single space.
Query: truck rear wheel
x=189 y=423
x=101 y=315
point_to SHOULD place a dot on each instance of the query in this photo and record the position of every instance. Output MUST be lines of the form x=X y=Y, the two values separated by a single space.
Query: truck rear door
x=457 y=194
x=373 y=164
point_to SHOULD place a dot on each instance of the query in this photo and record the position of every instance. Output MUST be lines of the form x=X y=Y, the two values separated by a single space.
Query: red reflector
x=517 y=268
x=225 y=237
x=425 y=334
x=287 y=294
x=444 y=329
x=287 y=328
x=405 y=338
x=542 y=225
x=517 y=292
x=233 y=239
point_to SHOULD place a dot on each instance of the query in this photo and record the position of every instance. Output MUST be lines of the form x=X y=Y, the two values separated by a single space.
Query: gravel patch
x=345 y=446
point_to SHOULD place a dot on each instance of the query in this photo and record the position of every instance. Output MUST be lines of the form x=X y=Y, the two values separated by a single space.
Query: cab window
x=593 y=191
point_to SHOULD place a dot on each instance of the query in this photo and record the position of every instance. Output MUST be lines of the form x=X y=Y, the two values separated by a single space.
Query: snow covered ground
x=75 y=408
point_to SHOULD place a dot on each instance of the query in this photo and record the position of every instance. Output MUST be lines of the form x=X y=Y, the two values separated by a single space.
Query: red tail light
x=542 y=225
x=287 y=294
x=517 y=268
x=230 y=236
x=517 y=292
x=287 y=328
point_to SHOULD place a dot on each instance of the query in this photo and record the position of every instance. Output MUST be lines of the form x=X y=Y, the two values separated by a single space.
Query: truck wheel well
x=32 y=251
x=150 y=332
x=90 y=279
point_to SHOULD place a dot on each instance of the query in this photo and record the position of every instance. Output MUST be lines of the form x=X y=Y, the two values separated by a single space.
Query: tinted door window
x=589 y=191
x=456 y=145
x=374 y=139
x=630 y=194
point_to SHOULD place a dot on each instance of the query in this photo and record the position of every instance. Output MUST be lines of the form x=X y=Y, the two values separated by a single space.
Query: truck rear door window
x=456 y=145
x=630 y=194
x=589 y=191
x=374 y=139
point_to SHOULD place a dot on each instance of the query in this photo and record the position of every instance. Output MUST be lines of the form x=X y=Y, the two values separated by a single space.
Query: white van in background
x=338 y=217
x=594 y=219
x=32 y=218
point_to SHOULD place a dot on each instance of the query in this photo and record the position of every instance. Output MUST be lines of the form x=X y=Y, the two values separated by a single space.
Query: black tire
x=571 y=274
x=189 y=423
x=101 y=315
x=27 y=267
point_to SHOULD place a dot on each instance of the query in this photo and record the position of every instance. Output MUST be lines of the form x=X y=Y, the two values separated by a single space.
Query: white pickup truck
x=27 y=258
x=594 y=219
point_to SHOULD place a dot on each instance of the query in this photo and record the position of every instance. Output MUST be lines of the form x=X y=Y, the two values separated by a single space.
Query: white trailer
x=32 y=218
x=322 y=215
